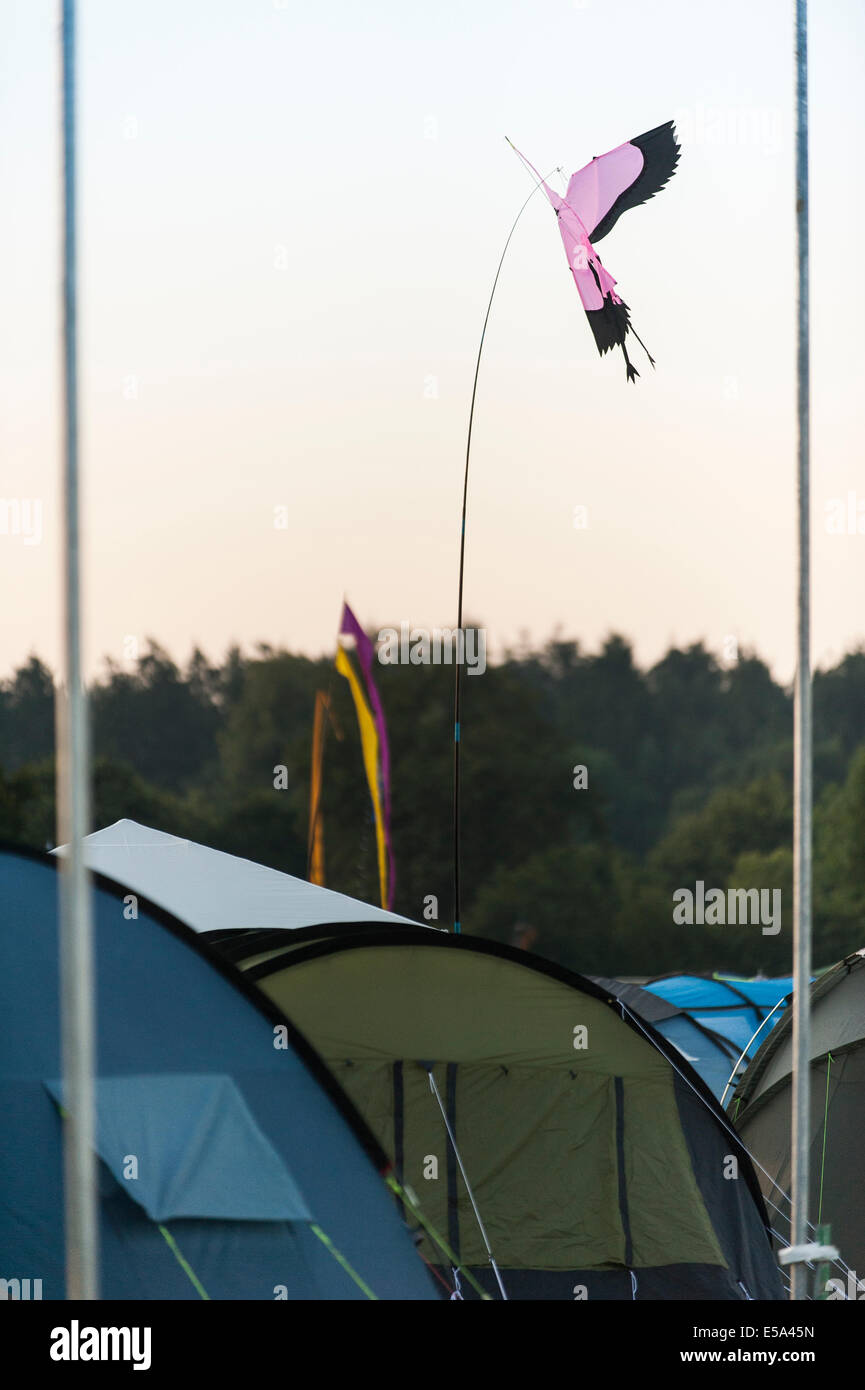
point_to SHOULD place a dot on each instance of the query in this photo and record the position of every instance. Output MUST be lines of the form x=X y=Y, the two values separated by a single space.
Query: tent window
x=189 y=1146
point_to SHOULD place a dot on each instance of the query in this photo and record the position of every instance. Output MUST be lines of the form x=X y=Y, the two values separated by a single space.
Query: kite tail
x=642 y=344
x=631 y=369
x=611 y=325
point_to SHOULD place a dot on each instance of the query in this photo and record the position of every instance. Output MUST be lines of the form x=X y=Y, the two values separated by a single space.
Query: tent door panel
x=620 y=1166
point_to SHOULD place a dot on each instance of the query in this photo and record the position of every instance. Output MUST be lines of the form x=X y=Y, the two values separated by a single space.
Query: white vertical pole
x=76 y=946
x=802 y=706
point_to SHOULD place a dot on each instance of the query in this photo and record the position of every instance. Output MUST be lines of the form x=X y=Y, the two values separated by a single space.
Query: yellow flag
x=369 y=746
x=315 y=846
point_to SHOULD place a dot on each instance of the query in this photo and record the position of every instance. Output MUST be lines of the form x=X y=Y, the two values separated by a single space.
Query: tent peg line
x=341 y=1260
x=405 y=1196
x=184 y=1263
x=456 y=1153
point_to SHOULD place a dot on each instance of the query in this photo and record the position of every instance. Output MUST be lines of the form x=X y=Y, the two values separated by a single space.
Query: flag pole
x=76 y=965
x=802 y=701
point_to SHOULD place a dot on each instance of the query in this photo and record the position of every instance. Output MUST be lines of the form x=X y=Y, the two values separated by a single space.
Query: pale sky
x=291 y=215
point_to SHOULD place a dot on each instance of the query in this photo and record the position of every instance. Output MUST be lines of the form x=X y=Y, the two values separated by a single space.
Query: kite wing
x=622 y=179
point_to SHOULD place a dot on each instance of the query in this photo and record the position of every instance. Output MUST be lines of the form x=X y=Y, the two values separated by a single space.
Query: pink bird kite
x=596 y=198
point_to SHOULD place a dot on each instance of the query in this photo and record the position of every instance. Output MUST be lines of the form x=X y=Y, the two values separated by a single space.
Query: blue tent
x=232 y=1165
x=710 y=1020
x=717 y=1017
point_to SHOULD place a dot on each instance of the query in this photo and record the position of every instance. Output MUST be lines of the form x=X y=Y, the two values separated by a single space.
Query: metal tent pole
x=802 y=705
x=76 y=967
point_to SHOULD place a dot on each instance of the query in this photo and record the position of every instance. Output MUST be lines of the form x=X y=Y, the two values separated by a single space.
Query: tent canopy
x=211 y=891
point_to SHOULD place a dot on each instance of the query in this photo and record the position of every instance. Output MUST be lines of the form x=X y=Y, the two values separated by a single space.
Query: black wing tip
x=665 y=128
x=660 y=150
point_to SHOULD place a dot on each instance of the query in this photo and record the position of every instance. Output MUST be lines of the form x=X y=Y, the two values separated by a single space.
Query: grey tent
x=761 y=1109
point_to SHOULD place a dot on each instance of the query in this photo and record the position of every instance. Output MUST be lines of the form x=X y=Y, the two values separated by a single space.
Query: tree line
x=687 y=778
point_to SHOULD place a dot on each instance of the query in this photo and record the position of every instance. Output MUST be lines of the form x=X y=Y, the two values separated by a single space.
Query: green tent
x=595 y=1163
x=761 y=1107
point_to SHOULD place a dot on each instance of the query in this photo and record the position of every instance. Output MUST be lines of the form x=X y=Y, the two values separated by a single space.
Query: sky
x=290 y=220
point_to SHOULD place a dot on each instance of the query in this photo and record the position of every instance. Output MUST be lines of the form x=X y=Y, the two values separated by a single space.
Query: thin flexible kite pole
x=457 y=663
